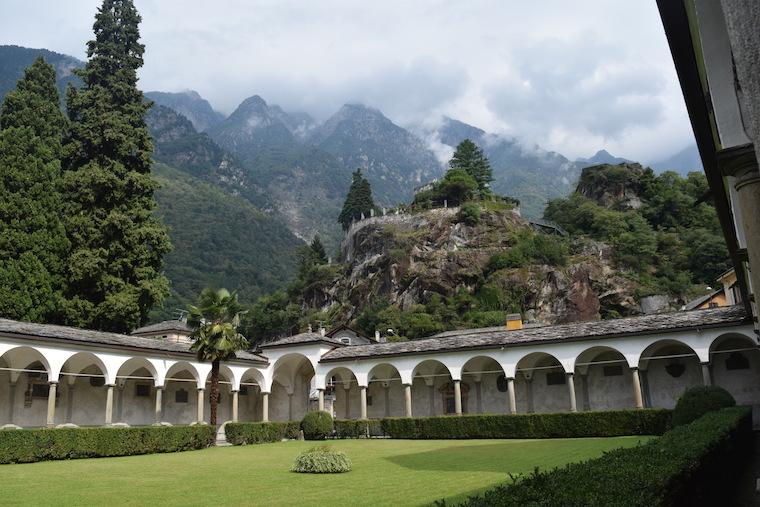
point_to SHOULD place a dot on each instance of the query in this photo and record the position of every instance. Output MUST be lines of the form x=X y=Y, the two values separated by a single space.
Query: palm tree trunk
x=214 y=397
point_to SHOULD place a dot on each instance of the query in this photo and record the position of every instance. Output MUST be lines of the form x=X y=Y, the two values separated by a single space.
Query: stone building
x=53 y=375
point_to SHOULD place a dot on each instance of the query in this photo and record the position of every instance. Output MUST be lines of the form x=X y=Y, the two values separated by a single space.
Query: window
x=737 y=361
x=613 y=370
x=555 y=378
x=675 y=370
x=501 y=383
x=142 y=390
x=97 y=381
x=40 y=390
x=347 y=341
x=243 y=391
x=180 y=396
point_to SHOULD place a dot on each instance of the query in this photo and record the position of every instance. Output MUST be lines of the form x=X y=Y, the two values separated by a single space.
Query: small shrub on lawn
x=260 y=432
x=321 y=460
x=693 y=464
x=697 y=401
x=317 y=425
x=27 y=446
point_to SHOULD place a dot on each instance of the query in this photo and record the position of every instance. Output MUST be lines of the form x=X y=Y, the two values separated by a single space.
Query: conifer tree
x=470 y=158
x=318 y=250
x=358 y=200
x=33 y=244
x=115 y=275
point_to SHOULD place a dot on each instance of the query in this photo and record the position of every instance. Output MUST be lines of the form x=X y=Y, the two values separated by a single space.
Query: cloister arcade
x=45 y=383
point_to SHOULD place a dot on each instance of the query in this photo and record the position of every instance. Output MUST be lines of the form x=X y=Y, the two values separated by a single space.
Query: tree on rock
x=33 y=244
x=318 y=250
x=471 y=159
x=358 y=200
x=115 y=269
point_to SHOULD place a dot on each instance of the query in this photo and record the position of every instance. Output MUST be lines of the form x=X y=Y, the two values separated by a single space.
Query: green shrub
x=317 y=425
x=27 y=446
x=560 y=425
x=697 y=401
x=260 y=432
x=469 y=214
x=321 y=460
x=694 y=464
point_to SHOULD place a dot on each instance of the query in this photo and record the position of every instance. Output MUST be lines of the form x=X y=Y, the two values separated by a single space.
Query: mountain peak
x=190 y=104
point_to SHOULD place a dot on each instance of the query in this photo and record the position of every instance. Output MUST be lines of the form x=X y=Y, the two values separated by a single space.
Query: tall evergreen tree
x=318 y=250
x=358 y=200
x=470 y=158
x=118 y=244
x=33 y=244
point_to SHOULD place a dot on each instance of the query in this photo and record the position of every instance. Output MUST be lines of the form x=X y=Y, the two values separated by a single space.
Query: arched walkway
x=541 y=384
x=667 y=369
x=385 y=392
x=434 y=392
x=180 y=397
x=136 y=393
x=224 y=407
x=341 y=395
x=293 y=393
x=735 y=366
x=24 y=383
x=83 y=392
x=249 y=395
x=489 y=385
x=603 y=380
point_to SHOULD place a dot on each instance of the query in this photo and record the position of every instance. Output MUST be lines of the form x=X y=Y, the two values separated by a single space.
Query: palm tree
x=215 y=333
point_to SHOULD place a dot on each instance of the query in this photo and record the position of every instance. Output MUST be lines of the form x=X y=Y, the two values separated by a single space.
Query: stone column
x=407 y=400
x=321 y=400
x=571 y=391
x=265 y=407
x=511 y=395
x=363 y=399
x=109 y=404
x=120 y=403
x=51 y=405
x=201 y=401
x=235 y=406
x=159 y=404
x=11 y=401
x=706 y=374
x=529 y=394
x=69 y=402
x=638 y=399
x=347 y=397
x=457 y=397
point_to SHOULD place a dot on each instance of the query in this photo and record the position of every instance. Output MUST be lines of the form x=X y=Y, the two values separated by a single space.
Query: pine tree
x=318 y=250
x=470 y=158
x=118 y=244
x=358 y=200
x=33 y=244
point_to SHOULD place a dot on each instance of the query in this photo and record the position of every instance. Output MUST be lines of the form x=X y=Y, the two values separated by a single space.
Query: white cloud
x=571 y=76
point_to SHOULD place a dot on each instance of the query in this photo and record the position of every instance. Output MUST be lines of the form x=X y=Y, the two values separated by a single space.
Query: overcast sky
x=572 y=76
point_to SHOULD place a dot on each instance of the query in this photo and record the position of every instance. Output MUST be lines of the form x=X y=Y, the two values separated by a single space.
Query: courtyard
x=385 y=472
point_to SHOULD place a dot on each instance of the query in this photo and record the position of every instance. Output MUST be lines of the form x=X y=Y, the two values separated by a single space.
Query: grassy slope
x=219 y=241
x=386 y=472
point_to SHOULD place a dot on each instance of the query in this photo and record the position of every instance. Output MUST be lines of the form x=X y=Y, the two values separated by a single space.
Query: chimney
x=514 y=321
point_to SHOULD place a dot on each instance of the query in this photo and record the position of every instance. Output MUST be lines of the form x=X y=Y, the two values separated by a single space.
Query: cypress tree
x=358 y=200
x=118 y=245
x=33 y=244
x=318 y=250
x=470 y=158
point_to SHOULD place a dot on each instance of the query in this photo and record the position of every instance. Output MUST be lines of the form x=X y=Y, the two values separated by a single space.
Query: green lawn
x=386 y=472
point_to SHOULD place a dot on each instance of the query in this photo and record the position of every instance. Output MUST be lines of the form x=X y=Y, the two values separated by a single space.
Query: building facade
x=54 y=375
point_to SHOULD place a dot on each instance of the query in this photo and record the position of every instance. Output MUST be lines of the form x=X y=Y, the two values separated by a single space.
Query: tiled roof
x=75 y=335
x=161 y=327
x=496 y=337
x=302 y=339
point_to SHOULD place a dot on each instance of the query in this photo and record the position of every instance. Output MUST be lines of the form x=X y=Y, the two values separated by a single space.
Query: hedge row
x=694 y=464
x=260 y=432
x=27 y=446
x=355 y=428
x=561 y=425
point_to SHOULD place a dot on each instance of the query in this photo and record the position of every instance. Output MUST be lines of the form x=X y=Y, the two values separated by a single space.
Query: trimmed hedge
x=693 y=464
x=260 y=432
x=317 y=425
x=698 y=400
x=356 y=428
x=561 y=425
x=28 y=446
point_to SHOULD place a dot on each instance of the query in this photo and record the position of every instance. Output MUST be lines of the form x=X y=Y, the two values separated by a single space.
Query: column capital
x=53 y=382
x=201 y=389
x=161 y=388
x=234 y=390
x=569 y=373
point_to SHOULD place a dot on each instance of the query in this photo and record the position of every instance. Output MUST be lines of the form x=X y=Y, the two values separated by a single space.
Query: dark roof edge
x=275 y=345
x=746 y=320
x=115 y=345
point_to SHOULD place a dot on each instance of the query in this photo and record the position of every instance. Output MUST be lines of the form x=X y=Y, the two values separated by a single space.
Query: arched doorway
x=603 y=380
x=489 y=393
x=136 y=393
x=293 y=390
x=83 y=392
x=385 y=393
x=433 y=390
x=541 y=384
x=735 y=366
x=667 y=368
x=180 y=397
x=342 y=394
x=24 y=384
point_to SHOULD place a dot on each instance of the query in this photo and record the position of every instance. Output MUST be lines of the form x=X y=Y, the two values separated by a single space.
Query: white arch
x=130 y=365
x=587 y=355
x=74 y=357
x=527 y=363
x=750 y=342
x=242 y=373
x=14 y=357
x=225 y=375
x=178 y=366
x=647 y=352
x=345 y=373
x=427 y=369
x=286 y=366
